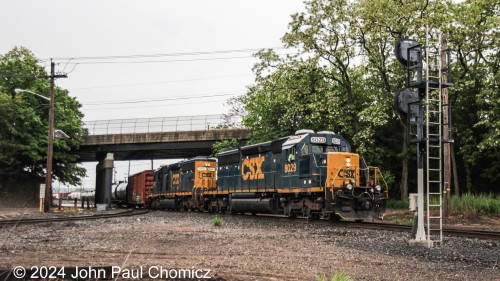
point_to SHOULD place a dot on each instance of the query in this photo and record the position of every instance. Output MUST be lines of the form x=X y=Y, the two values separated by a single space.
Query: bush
x=398 y=204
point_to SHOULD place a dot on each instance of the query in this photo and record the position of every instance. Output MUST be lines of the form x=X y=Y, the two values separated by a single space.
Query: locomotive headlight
x=323 y=162
x=349 y=186
x=378 y=188
x=352 y=182
x=371 y=190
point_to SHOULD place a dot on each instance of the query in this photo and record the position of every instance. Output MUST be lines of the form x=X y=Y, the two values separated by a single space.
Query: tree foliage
x=476 y=95
x=344 y=76
x=221 y=146
x=24 y=121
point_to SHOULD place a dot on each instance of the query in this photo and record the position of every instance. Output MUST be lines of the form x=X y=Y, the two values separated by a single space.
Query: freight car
x=135 y=192
x=308 y=174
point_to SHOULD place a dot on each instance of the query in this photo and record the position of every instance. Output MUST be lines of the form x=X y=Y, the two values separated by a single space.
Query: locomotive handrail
x=377 y=171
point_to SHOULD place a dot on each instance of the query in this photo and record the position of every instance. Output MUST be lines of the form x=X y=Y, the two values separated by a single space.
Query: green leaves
x=24 y=121
x=345 y=75
x=224 y=145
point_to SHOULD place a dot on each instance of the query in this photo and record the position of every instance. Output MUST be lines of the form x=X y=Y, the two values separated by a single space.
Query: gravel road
x=244 y=248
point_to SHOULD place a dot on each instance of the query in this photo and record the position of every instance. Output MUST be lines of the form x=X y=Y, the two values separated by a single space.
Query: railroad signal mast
x=427 y=115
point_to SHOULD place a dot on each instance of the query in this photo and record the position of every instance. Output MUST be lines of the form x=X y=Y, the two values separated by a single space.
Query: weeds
x=482 y=203
x=338 y=276
x=217 y=221
x=396 y=221
x=469 y=203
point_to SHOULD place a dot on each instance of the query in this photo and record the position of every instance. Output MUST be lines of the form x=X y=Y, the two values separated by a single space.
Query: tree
x=24 y=121
x=221 y=146
x=475 y=35
x=287 y=97
x=345 y=75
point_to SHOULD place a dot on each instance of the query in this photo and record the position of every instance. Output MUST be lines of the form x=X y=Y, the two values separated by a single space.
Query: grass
x=396 y=221
x=466 y=203
x=337 y=276
x=481 y=203
x=217 y=221
x=398 y=204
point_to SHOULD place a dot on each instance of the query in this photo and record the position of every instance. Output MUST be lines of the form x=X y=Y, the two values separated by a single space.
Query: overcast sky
x=182 y=83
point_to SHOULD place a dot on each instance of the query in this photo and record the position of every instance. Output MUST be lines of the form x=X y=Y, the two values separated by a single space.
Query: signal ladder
x=435 y=57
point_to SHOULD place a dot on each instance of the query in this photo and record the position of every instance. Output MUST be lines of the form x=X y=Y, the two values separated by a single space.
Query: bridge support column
x=104 y=180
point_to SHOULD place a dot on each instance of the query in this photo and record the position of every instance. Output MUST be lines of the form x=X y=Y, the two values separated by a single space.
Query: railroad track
x=126 y=213
x=480 y=234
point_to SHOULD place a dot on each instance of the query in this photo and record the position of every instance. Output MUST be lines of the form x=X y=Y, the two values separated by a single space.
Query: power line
x=160 y=61
x=155 y=83
x=167 y=54
x=164 y=99
x=156 y=105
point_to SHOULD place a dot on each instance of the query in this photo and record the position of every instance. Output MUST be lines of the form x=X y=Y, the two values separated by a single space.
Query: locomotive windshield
x=318 y=149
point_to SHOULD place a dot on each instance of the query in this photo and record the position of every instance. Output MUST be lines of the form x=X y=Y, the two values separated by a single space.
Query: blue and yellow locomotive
x=308 y=174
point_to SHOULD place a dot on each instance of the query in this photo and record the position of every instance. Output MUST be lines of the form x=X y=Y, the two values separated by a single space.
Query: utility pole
x=446 y=134
x=50 y=150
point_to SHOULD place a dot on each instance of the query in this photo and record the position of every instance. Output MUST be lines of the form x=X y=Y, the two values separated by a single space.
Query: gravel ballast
x=244 y=248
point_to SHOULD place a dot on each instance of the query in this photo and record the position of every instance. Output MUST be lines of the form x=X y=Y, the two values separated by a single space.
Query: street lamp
x=19 y=91
x=50 y=149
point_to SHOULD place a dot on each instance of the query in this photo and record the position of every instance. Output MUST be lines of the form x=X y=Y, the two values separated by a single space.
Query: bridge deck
x=158 y=145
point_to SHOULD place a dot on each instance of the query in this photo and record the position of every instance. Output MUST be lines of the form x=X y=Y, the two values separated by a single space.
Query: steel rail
x=126 y=213
x=481 y=234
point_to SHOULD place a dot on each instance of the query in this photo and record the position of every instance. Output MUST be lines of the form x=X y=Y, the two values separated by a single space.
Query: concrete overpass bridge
x=157 y=138
x=151 y=138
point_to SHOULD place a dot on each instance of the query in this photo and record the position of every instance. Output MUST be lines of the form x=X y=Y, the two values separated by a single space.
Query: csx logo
x=176 y=179
x=350 y=174
x=251 y=169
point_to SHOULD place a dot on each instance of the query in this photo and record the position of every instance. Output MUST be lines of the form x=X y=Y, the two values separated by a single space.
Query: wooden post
x=446 y=134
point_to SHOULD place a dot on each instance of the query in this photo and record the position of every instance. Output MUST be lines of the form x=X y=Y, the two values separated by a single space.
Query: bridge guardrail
x=161 y=124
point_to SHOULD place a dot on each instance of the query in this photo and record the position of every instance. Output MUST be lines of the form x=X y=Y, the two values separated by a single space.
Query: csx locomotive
x=308 y=174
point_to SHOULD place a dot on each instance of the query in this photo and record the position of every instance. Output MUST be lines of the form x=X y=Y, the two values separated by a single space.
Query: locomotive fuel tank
x=253 y=205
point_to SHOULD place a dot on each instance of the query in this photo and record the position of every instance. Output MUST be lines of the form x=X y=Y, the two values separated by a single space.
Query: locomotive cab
x=324 y=160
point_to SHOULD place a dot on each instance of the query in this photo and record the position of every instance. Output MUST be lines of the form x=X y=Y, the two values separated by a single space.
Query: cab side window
x=291 y=154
